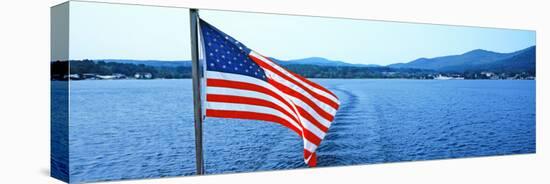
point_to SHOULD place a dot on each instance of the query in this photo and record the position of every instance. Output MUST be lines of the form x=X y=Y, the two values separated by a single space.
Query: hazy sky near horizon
x=112 y=31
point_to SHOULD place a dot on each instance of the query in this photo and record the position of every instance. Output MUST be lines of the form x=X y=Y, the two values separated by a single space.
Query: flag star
x=241 y=48
x=234 y=58
x=211 y=54
x=217 y=60
x=223 y=66
x=246 y=70
x=221 y=46
x=215 y=50
x=223 y=56
x=241 y=64
x=235 y=68
x=229 y=62
x=209 y=43
x=226 y=37
x=211 y=64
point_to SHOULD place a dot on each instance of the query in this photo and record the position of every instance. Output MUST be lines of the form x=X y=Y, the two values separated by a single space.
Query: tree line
x=80 y=67
x=128 y=69
x=316 y=71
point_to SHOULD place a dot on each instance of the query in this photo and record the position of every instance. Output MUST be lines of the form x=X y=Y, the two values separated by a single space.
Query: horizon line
x=290 y=60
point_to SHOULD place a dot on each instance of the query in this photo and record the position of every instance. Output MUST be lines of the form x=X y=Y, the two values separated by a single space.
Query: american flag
x=243 y=84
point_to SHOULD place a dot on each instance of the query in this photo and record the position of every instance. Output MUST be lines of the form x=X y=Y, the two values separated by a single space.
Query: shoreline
x=321 y=78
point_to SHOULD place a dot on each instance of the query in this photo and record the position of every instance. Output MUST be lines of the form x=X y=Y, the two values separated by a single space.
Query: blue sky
x=114 y=31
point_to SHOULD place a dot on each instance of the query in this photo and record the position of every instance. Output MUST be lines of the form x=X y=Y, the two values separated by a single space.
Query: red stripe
x=247 y=86
x=250 y=101
x=251 y=116
x=300 y=96
x=313 y=160
x=311 y=137
x=263 y=117
x=310 y=118
x=254 y=87
x=312 y=83
x=305 y=133
x=286 y=77
x=254 y=101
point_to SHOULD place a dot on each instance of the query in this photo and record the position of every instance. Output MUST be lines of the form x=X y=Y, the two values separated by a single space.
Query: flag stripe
x=220 y=94
x=311 y=159
x=304 y=99
x=283 y=72
x=250 y=83
x=309 y=146
x=315 y=85
x=317 y=96
x=318 y=89
x=311 y=140
x=297 y=90
x=249 y=101
x=312 y=120
x=242 y=84
x=246 y=86
x=264 y=116
x=251 y=115
x=310 y=111
x=313 y=129
x=316 y=139
x=252 y=94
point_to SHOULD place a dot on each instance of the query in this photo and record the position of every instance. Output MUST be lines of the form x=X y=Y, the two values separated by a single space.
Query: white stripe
x=314 y=89
x=312 y=128
x=252 y=80
x=311 y=112
x=250 y=94
x=322 y=105
x=309 y=146
x=327 y=108
x=250 y=108
x=223 y=75
x=279 y=68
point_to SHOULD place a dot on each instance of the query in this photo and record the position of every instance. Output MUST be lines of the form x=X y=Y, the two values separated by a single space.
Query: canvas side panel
x=59 y=85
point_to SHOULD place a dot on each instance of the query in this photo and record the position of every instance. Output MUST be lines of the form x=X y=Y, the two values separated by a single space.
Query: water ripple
x=140 y=129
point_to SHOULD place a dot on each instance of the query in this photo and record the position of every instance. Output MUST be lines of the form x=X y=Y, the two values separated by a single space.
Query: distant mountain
x=155 y=63
x=521 y=61
x=318 y=61
x=474 y=60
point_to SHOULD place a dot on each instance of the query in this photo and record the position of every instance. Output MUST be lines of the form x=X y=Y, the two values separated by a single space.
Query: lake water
x=124 y=129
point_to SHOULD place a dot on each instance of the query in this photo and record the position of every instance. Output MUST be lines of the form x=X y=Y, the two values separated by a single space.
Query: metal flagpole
x=194 y=15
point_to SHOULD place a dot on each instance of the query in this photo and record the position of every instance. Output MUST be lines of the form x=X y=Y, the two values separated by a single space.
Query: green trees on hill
x=129 y=70
x=110 y=68
x=316 y=71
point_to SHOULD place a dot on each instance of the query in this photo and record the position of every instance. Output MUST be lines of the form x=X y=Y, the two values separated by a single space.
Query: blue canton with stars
x=225 y=54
